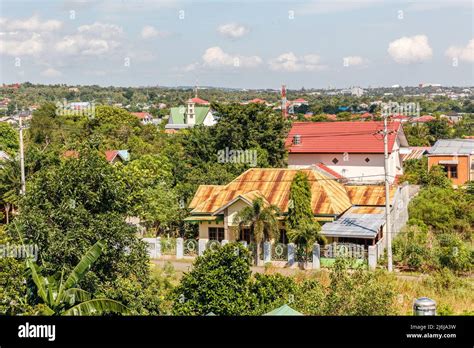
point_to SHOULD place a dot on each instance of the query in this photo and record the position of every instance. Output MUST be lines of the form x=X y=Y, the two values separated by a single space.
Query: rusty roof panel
x=329 y=197
x=369 y=194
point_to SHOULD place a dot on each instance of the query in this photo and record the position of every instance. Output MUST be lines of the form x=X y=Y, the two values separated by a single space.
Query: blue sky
x=242 y=44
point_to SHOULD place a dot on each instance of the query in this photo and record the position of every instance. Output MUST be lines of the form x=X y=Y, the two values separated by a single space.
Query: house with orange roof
x=214 y=207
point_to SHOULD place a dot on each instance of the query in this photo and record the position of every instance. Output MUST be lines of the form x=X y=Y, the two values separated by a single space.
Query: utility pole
x=22 y=157
x=387 y=194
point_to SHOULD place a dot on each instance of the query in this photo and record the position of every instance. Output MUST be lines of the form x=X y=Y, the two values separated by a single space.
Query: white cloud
x=95 y=39
x=216 y=57
x=50 y=72
x=21 y=44
x=32 y=24
x=412 y=49
x=292 y=63
x=149 y=32
x=465 y=53
x=232 y=30
x=353 y=61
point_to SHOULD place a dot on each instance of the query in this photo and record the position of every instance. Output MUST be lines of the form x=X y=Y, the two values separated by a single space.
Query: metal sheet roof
x=357 y=222
x=453 y=147
x=329 y=197
x=369 y=194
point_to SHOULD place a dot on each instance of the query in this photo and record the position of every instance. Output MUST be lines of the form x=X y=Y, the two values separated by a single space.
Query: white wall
x=209 y=119
x=355 y=167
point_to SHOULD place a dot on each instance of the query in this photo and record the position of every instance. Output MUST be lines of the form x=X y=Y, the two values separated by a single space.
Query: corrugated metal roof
x=356 y=223
x=329 y=197
x=369 y=194
x=453 y=147
x=416 y=152
x=340 y=137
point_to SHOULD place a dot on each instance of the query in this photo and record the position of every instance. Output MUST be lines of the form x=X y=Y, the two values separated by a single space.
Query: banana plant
x=64 y=298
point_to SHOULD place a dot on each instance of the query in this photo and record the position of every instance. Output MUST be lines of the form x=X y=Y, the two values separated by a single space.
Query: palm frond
x=38 y=280
x=97 y=306
x=88 y=259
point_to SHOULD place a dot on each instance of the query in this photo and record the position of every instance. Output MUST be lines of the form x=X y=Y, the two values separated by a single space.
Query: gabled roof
x=329 y=197
x=177 y=114
x=141 y=115
x=414 y=152
x=322 y=167
x=199 y=101
x=110 y=155
x=340 y=137
x=452 y=147
x=283 y=310
x=423 y=119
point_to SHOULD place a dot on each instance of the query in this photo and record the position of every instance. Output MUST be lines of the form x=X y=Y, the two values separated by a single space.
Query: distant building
x=187 y=117
x=357 y=91
x=354 y=150
x=456 y=156
x=144 y=117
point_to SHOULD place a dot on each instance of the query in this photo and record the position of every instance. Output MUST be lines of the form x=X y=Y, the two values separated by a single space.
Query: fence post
x=202 y=245
x=224 y=242
x=372 y=257
x=158 y=247
x=267 y=252
x=316 y=256
x=179 y=248
x=291 y=254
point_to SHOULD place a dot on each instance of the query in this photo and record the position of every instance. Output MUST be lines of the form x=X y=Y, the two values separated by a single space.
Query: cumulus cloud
x=232 y=30
x=32 y=24
x=21 y=44
x=465 y=53
x=292 y=63
x=353 y=61
x=50 y=72
x=149 y=32
x=216 y=57
x=412 y=49
x=94 y=39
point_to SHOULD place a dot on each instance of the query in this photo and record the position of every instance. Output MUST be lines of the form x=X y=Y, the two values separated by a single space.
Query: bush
x=453 y=253
x=271 y=291
x=218 y=283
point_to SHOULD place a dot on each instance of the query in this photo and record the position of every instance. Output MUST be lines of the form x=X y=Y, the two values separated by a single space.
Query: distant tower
x=284 y=111
x=190 y=113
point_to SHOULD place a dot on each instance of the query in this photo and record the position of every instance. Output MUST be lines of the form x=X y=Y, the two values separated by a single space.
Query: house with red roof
x=423 y=119
x=353 y=150
x=144 y=117
x=199 y=101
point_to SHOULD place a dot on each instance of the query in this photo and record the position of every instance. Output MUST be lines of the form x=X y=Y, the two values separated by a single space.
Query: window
x=453 y=172
x=245 y=234
x=367 y=159
x=216 y=233
x=283 y=238
x=335 y=160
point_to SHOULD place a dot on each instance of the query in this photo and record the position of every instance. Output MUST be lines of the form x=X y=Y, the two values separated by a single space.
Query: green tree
x=217 y=283
x=8 y=139
x=262 y=220
x=64 y=298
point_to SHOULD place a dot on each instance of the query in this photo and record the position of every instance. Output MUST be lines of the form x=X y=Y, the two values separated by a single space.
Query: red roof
x=299 y=100
x=110 y=155
x=367 y=114
x=340 y=137
x=257 y=100
x=141 y=115
x=399 y=117
x=199 y=101
x=424 y=118
x=329 y=170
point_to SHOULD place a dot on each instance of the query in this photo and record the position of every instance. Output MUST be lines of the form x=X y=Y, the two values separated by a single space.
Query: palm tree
x=305 y=235
x=262 y=221
x=67 y=299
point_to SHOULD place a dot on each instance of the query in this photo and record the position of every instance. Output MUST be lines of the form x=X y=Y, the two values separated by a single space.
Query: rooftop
x=340 y=137
x=453 y=147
